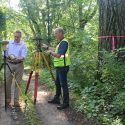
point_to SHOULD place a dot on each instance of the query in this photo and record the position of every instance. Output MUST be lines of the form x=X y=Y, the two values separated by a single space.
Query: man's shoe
x=62 y=106
x=54 y=101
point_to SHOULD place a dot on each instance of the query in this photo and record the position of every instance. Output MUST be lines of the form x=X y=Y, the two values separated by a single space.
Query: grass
x=1 y=77
x=46 y=79
x=29 y=110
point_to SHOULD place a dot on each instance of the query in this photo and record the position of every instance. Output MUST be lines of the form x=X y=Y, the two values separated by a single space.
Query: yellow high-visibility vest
x=64 y=60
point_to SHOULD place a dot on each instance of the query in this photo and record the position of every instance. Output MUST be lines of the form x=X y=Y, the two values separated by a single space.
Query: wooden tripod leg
x=30 y=75
x=35 y=87
x=28 y=82
x=50 y=70
x=48 y=66
x=36 y=68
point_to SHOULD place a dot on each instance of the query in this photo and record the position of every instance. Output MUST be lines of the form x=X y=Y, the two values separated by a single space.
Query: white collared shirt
x=16 y=49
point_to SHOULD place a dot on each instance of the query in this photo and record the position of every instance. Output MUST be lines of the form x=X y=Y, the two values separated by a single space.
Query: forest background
x=98 y=97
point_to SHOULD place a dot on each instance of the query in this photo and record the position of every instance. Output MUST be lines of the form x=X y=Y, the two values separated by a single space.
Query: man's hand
x=44 y=46
x=52 y=49
x=11 y=57
x=48 y=52
x=19 y=59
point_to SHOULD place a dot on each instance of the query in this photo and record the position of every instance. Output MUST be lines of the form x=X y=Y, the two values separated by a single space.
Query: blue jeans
x=61 y=82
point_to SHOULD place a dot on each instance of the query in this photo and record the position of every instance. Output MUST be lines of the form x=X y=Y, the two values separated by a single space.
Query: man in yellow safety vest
x=61 y=63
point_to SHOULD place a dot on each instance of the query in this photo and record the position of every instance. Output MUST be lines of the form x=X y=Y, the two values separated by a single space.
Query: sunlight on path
x=47 y=112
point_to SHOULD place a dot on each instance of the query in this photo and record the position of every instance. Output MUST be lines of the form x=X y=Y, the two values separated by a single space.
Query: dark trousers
x=61 y=82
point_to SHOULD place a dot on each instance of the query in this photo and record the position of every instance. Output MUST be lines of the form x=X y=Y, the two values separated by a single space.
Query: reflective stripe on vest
x=64 y=60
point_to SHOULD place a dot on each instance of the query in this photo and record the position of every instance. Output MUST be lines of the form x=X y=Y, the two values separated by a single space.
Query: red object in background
x=113 y=39
x=28 y=82
x=35 y=87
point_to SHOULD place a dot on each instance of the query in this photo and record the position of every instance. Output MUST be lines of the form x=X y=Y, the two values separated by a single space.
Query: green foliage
x=1 y=77
x=83 y=46
x=30 y=114
x=2 y=29
x=52 y=13
x=2 y=21
x=84 y=64
x=119 y=102
x=106 y=100
x=46 y=78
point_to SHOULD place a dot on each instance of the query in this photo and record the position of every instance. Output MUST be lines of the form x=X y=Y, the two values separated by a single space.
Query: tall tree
x=111 y=23
x=2 y=23
x=111 y=27
x=2 y=28
x=85 y=15
x=52 y=13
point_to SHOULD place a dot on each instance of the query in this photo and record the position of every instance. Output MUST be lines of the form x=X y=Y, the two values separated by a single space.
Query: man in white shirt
x=16 y=50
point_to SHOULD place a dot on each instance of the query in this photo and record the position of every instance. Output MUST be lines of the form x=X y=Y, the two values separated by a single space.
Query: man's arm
x=55 y=54
x=51 y=51
x=61 y=50
x=47 y=47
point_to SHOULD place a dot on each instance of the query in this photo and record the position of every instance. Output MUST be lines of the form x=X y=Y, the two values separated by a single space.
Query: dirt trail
x=5 y=119
x=49 y=114
x=9 y=117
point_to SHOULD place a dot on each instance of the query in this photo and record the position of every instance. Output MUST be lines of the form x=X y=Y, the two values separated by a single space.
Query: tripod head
x=38 y=43
x=3 y=44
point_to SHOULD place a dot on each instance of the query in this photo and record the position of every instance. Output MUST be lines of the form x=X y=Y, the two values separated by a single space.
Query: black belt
x=14 y=62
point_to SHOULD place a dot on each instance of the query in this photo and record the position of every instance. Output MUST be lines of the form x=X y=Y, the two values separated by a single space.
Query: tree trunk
x=111 y=23
x=48 y=22
x=2 y=29
x=111 y=28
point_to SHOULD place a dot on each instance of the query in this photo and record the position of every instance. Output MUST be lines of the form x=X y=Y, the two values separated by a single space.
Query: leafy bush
x=105 y=101
x=83 y=62
x=46 y=79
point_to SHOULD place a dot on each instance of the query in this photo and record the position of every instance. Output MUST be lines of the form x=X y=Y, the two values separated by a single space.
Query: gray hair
x=59 y=29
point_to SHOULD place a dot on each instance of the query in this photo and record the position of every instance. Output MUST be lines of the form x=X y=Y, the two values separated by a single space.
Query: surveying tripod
x=5 y=65
x=38 y=55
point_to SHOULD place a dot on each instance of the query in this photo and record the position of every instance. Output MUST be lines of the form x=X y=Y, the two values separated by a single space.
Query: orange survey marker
x=113 y=39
